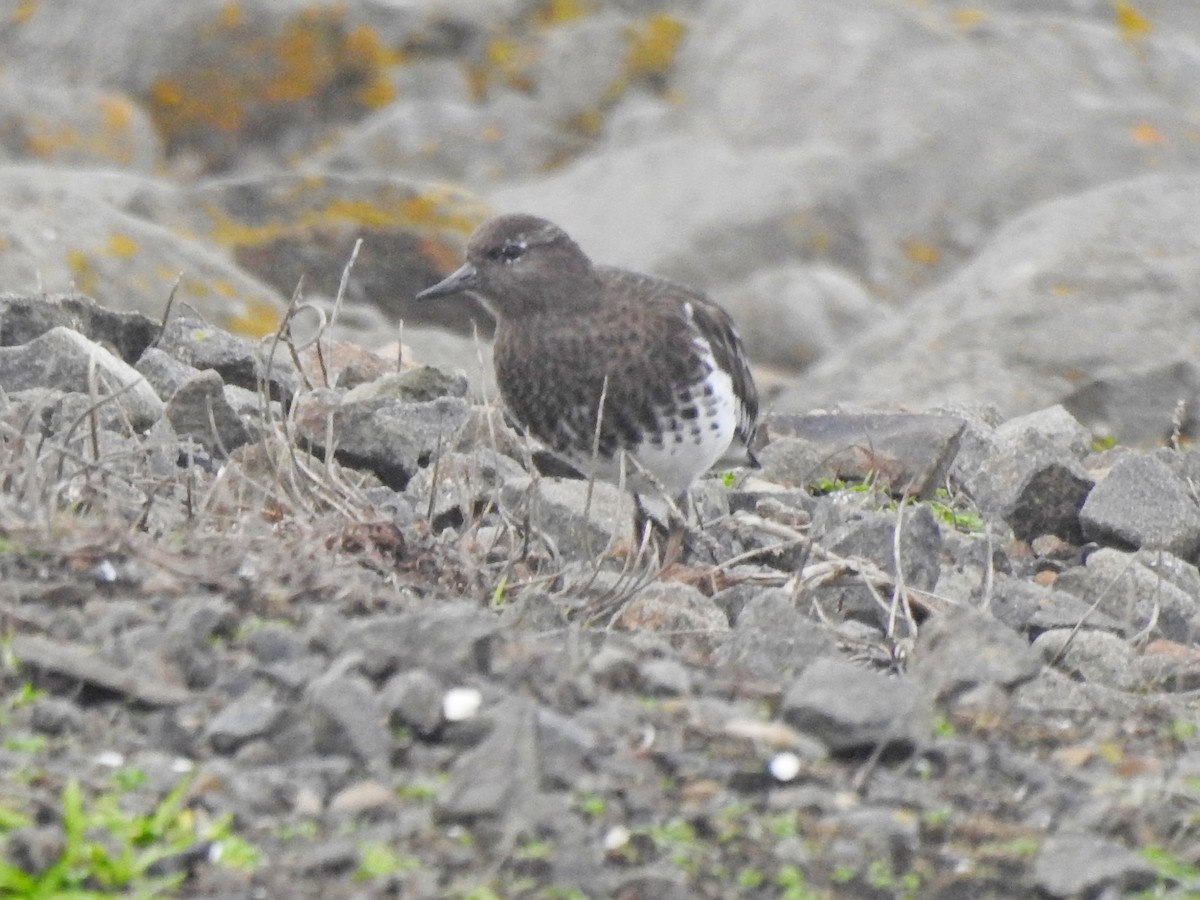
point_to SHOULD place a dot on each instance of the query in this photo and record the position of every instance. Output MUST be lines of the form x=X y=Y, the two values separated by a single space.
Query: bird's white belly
x=684 y=449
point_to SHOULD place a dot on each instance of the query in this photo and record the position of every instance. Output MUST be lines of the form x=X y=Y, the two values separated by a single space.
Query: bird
x=625 y=377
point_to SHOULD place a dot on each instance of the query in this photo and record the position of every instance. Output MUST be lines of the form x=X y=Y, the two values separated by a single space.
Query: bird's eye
x=509 y=251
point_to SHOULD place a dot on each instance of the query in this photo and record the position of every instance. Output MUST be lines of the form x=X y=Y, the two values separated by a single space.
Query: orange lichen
x=1132 y=25
x=231 y=16
x=311 y=58
x=82 y=271
x=1147 y=134
x=921 y=252
x=25 y=11
x=122 y=246
x=653 y=45
x=117 y=112
x=256 y=319
x=966 y=19
x=556 y=12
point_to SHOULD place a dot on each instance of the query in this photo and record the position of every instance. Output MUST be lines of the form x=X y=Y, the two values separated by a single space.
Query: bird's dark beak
x=464 y=278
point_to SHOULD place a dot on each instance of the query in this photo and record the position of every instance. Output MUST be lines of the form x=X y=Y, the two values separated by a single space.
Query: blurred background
x=903 y=204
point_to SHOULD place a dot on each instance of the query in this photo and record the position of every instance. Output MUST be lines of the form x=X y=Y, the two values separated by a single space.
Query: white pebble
x=461 y=703
x=784 y=766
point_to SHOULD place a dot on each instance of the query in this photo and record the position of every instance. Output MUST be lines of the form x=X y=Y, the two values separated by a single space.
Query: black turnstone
x=678 y=396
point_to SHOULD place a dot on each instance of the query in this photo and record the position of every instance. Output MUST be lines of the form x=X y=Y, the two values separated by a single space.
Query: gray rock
x=62 y=359
x=1030 y=475
x=1138 y=589
x=75 y=125
x=24 y=317
x=65 y=235
x=1023 y=352
x=1094 y=656
x=414 y=698
x=852 y=710
x=390 y=438
x=1141 y=502
x=677 y=613
x=665 y=678
x=239 y=361
x=1072 y=864
x=772 y=639
x=251 y=716
x=962 y=649
x=561 y=511
x=836 y=309
x=903 y=454
x=198 y=409
x=870 y=535
x=496 y=778
x=452 y=640
x=137 y=682
x=564 y=748
x=464 y=484
x=351 y=720
x=165 y=373
x=1139 y=406
x=273 y=642
x=55 y=716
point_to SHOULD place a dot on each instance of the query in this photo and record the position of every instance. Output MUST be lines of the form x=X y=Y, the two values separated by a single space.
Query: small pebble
x=461 y=703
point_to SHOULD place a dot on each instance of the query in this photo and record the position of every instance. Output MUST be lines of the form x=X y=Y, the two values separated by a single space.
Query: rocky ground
x=914 y=655
x=281 y=616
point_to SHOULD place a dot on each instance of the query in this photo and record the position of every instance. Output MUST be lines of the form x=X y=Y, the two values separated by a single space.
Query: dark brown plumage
x=679 y=395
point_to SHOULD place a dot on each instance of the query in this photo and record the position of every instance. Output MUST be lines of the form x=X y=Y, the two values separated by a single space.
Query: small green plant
x=592 y=805
x=790 y=880
x=1172 y=868
x=378 y=860
x=128 y=779
x=729 y=479
x=749 y=878
x=109 y=852
x=25 y=695
x=33 y=743
x=499 y=598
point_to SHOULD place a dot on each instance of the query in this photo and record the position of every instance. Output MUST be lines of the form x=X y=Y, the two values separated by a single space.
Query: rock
x=1026 y=352
x=414 y=698
x=199 y=409
x=465 y=484
x=23 y=318
x=1139 y=590
x=391 y=439
x=77 y=662
x=1141 y=502
x=352 y=719
x=665 y=678
x=451 y=641
x=1030 y=475
x=851 y=710
x=902 y=454
x=836 y=309
x=63 y=359
x=870 y=535
x=564 y=747
x=772 y=639
x=563 y=515
x=75 y=125
x=1093 y=656
x=1139 y=406
x=495 y=779
x=680 y=613
x=64 y=234
x=239 y=361
x=164 y=372
x=963 y=649
x=1072 y=864
x=363 y=797
x=251 y=716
